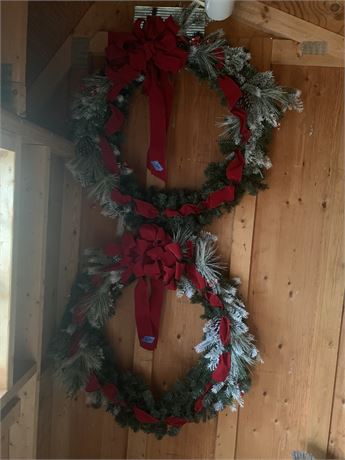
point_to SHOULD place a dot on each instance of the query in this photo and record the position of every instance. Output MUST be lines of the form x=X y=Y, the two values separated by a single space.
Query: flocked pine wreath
x=84 y=360
x=163 y=247
x=256 y=104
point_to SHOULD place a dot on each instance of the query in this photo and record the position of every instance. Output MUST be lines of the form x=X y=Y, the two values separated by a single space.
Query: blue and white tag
x=148 y=339
x=157 y=166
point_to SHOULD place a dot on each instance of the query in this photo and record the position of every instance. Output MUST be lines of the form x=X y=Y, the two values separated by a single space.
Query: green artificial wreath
x=84 y=360
x=256 y=104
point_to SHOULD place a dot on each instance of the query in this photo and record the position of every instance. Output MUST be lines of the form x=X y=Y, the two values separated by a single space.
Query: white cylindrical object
x=218 y=10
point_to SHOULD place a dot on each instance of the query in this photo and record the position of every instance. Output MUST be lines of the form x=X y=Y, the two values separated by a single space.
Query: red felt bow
x=151 y=49
x=156 y=261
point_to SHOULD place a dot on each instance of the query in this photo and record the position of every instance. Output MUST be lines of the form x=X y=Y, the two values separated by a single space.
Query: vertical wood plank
x=7 y=420
x=13 y=49
x=5 y=443
x=30 y=233
x=336 y=442
x=22 y=434
x=7 y=175
x=240 y=257
x=50 y=303
x=189 y=152
x=296 y=282
x=68 y=267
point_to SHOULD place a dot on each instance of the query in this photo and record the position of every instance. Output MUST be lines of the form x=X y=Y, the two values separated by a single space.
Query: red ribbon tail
x=142 y=315
x=160 y=100
x=156 y=304
x=167 y=90
x=148 y=312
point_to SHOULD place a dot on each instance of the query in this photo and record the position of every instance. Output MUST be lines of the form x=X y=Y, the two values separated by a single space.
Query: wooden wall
x=287 y=247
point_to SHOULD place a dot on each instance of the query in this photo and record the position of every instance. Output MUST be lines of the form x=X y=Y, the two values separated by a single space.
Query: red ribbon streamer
x=233 y=93
x=185 y=210
x=220 y=196
x=175 y=421
x=109 y=390
x=214 y=300
x=195 y=277
x=234 y=170
x=144 y=417
x=198 y=405
x=145 y=209
x=214 y=199
x=151 y=49
x=223 y=368
x=108 y=156
x=224 y=330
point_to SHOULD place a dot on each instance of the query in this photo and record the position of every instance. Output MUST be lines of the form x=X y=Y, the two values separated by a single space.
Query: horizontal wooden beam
x=285 y=25
x=33 y=134
x=288 y=52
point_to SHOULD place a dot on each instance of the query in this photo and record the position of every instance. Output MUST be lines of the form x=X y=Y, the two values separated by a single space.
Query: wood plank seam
x=340 y=340
x=247 y=298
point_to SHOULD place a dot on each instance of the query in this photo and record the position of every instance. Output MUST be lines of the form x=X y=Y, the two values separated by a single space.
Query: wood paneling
x=296 y=283
x=292 y=270
x=281 y=24
x=326 y=14
x=288 y=52
x=49 y=25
